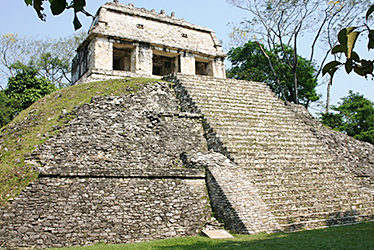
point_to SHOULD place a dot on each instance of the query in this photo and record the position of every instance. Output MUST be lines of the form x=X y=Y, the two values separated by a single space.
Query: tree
x=355 y=117
x=253 y=62
x=283 y=22
x=26 y=87
x=8 y=109
x=347 y=40
x=59 y=6
x=51 y=57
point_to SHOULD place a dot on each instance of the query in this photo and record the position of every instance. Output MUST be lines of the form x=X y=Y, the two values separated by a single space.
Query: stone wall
x=146 y=34
x=57 y=212
x=114 y=174
x=234 y=198
x=305 y=175
x=126 y=21
x=356 y=156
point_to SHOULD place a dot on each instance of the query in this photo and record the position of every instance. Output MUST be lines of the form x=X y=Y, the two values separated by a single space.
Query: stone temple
x=163 y=159
x=127 y=41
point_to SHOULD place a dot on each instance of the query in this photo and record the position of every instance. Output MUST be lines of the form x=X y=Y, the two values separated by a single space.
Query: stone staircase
x=302 y=184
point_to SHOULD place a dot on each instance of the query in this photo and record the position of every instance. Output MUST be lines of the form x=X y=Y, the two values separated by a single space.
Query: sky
x=16 y=18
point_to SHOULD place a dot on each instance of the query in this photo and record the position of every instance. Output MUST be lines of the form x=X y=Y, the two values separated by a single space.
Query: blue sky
x=15 y=17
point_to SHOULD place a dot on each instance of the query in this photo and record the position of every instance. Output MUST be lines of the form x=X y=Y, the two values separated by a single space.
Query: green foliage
x=355 y=117
x=8 y=108
x=53 y=67
x=50 y=57
x=26 y=87
x=347 y=38
x=250 y=63
x=59 y=6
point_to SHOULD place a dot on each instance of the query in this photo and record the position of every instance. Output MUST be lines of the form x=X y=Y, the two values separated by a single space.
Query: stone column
x=187 y=62
x=144 y=59
x=103 y=54
x=219 y=67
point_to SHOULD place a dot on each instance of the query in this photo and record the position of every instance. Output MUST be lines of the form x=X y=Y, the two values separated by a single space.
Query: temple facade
x=127 y=41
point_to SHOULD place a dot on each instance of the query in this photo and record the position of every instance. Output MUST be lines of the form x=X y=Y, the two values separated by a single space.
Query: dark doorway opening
x=121 y=58
x=201 y=68
x=163 y=65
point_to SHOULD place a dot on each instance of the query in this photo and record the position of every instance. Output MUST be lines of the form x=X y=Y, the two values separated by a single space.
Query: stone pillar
x=134 y=57
x=187 y=64
x=144 y=59
x=219 y=67
x=103 y=54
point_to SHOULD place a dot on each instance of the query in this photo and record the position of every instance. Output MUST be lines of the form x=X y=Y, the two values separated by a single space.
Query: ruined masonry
x=127 y=41
x=159 y=162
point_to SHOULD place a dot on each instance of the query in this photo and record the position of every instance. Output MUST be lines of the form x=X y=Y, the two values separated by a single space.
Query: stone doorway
x=122 y=57
x=203 y=67
x=163 y=65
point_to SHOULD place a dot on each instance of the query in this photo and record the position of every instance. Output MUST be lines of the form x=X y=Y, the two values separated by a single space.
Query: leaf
x=366 y=68
x=355 y=56
x=359 y=71
x=76 y=22
x=28 y=2
x=371 y=39
x=342 y=36
x=331 y=68
x=339 y=49
x=79 y=5
x=370 y=10
x=58 y=6
x=348 y=66
x=39 y=9
x=352 y=38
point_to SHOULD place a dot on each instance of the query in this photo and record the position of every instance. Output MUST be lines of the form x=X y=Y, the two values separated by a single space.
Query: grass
x=360 y=237
x=36 y=124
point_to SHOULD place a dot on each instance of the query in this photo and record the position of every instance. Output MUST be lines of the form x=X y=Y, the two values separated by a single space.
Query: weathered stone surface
x=353 y=154
x=217 y=234
x=131 y=168
x=120 y=133
x=114 y=175
x=234 y=198
x=306 y=175
x=56 y=212
x=124 y=40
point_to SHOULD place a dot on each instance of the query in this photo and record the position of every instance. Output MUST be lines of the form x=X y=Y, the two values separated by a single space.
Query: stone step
x=279 y=167
x=280 y=152
x=295 y=209
x=308 y=217
x=223 y=99
x=273 y=145
x=262 y=161
x=263 y=138
x=231 y=129
x=222 y=87
x=283 y=184
x=244 y=109
x=251 y=127
x=297 y=178
x=251 y=117
x=229 y=96
x=323 y=223
x=257 y=176
x=308 y=177
x=318 y=204
x=306 y=197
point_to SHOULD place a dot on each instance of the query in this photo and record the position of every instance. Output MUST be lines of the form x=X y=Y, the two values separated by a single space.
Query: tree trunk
x=294 y=67
x=328 y=95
